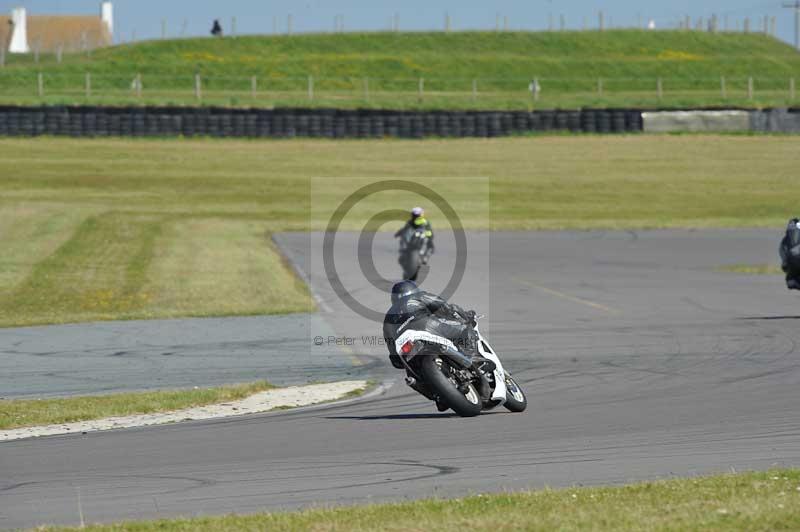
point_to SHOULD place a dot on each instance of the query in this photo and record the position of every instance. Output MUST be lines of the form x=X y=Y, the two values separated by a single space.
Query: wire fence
x=265 y=89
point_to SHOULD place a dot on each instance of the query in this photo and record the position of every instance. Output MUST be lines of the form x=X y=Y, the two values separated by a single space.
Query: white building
x=23 y=33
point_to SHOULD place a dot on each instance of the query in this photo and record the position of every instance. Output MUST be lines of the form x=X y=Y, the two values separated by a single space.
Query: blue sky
x=252 y=16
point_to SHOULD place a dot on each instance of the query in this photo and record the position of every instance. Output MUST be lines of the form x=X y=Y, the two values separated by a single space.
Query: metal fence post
x=310 y=87
x=791 y=89
x=722 y=89
x=659 y=89
x=40 y=84
x=197 y=88
x=600 y=86
x=421 y=88
x=88 y=84
x=254 y=87
x=535 y=89
x=138 y=85
x=59 y=53
x=750 y=88
x=474 y=89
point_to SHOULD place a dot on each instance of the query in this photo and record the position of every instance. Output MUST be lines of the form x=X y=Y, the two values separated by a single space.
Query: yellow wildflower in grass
x=202 y=56
x=676 y=55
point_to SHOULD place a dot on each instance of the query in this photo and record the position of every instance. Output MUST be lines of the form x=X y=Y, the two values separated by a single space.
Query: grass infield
x=124 y=229
x=18 y=413
x=748 y=501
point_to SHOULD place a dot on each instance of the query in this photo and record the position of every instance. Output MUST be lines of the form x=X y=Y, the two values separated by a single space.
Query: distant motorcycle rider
x=418 y=221
x=790 y=254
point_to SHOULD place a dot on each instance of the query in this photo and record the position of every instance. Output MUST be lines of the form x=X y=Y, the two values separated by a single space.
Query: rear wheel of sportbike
x=515 y=397
x=463 y=398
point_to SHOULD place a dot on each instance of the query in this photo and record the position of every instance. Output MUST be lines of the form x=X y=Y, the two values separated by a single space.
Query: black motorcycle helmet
x=403 y=289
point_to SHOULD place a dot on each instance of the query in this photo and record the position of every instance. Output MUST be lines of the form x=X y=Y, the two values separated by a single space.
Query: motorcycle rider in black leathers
x=790 y=263
x=415 y=309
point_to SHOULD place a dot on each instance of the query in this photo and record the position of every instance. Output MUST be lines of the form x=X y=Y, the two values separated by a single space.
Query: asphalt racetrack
x=639 y=359
x=122 y=356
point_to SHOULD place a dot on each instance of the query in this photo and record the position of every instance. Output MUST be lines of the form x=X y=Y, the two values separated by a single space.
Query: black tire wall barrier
x=91 y=121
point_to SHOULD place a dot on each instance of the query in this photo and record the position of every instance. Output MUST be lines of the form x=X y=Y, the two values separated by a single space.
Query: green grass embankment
x=384 y=70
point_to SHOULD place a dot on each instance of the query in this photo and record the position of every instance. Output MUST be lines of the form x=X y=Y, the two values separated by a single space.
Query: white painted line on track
x=568 y=297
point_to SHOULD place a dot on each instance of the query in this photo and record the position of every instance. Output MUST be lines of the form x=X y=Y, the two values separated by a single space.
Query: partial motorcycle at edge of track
x=790 y=254
x=438 y=370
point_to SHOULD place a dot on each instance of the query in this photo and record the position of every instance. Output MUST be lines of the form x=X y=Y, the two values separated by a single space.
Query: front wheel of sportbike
x=411 y=266
x=462 y=398
x=515 y=397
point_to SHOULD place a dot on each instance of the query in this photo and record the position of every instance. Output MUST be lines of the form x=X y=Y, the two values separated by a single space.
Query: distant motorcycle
x=414 y=252
x=437 y=369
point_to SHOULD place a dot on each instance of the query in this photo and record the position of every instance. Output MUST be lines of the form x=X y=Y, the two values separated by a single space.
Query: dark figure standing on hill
x=216 y=29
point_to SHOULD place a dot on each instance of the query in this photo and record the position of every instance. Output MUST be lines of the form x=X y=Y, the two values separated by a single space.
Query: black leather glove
x=395 y=360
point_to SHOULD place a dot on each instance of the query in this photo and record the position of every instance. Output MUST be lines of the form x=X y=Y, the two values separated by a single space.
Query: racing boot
x=471 y=350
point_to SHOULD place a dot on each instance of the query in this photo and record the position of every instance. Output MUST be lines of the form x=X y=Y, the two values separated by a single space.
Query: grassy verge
x=753 y=269
x=383 y=69
x=18 y=413
x=750 y=501
x=121 y=229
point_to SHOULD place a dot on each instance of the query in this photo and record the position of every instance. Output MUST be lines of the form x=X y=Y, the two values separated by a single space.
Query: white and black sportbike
x=437 y=369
